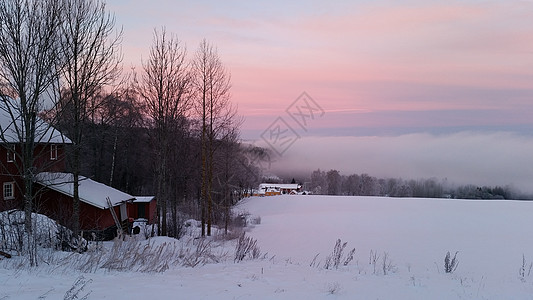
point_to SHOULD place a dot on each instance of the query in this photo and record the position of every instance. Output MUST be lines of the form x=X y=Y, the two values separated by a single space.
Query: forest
x=333 y=182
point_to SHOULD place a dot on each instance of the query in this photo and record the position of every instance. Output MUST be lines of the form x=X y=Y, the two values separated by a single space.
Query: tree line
x=169 y=129
x=333 y=183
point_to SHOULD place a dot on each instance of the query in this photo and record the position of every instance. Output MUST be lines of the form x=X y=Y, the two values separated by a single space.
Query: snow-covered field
x=297 y=233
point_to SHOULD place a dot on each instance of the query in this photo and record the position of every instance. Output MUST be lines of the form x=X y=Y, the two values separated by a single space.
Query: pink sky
x=376 y=68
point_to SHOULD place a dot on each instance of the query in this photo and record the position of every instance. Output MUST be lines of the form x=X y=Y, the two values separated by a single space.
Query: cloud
x=499 y=158
x=377 y=68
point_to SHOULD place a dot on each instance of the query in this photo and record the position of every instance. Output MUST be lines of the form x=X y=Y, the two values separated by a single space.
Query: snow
x=491 y=238
x=90 y=191
x=44 y=132
x=143 y=199
x=48 y=232
x=293 y=186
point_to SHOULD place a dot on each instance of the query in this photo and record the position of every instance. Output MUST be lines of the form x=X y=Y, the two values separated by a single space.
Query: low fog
x=477 y=158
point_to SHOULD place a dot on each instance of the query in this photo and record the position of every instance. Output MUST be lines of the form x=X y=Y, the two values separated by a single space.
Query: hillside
x=297 y=233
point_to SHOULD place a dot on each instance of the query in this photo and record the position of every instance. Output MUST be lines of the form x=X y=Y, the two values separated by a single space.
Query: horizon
x=413 y=90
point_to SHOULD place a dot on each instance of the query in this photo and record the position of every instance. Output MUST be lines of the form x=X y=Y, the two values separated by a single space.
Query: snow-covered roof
x=143 y=199
x=44 y=132
x=90 y=191
x=291 y=186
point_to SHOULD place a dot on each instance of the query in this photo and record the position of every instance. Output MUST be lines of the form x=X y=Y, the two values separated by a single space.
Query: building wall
x=51 y=158
x=150 y=210
x=60 y=207
x=10 y=170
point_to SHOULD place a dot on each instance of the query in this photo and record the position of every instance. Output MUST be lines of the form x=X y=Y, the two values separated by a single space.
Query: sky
x=411 y=89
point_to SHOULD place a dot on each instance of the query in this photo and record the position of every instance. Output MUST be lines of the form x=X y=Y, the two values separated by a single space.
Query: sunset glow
x=377 y=68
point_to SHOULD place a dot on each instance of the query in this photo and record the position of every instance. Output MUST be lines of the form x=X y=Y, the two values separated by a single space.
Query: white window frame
x=9 y=190
x=53 y=152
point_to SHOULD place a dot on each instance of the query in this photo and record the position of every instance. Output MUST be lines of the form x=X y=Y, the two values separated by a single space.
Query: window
x=53 y=152
x=10 y=155
x=9 y=190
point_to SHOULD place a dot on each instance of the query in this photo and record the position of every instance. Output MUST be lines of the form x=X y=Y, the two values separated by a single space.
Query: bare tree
x=29 y=60
x=333 y=179
x=122 y=114
x=164 y=87
x=227 y=177
x=319 y=183
x=218 y=117
x=92 y=61
x=115 y=142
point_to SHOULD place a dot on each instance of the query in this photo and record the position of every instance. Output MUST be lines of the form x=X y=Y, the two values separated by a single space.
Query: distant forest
x=333 y=182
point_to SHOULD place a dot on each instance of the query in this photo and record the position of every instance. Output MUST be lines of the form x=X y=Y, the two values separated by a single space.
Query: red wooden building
x=95 y=199
x=54 y=187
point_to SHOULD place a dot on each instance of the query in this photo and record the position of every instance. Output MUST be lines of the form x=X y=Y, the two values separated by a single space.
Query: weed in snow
x=525 y=269
x=383 y=266
x=314 y=262
x=337 y=258
x=76 y=291
x=246 y=247
x=450 y=264
x=387 y=266
x=333 y=288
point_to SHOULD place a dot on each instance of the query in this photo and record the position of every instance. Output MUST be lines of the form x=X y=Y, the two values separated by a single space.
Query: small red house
x=145 y=208
x=57 y=194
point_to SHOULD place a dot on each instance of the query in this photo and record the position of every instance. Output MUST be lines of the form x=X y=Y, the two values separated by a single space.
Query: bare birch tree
x=164 y=87
x=92 y=61
x=29 y=60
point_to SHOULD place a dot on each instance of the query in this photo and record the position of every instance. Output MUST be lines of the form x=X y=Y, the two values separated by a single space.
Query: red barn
x=53 y=187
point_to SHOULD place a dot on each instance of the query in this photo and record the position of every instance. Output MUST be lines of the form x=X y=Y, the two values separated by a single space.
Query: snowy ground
x=492 y=238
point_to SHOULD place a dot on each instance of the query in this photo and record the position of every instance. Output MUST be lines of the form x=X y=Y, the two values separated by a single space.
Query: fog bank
x=479 y=158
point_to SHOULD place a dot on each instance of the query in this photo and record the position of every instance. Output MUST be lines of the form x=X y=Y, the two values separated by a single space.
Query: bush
x=244 y=219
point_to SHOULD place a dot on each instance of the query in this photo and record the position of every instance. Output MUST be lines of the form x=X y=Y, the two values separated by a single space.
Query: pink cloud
x=369 y=57
x=445 y=43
